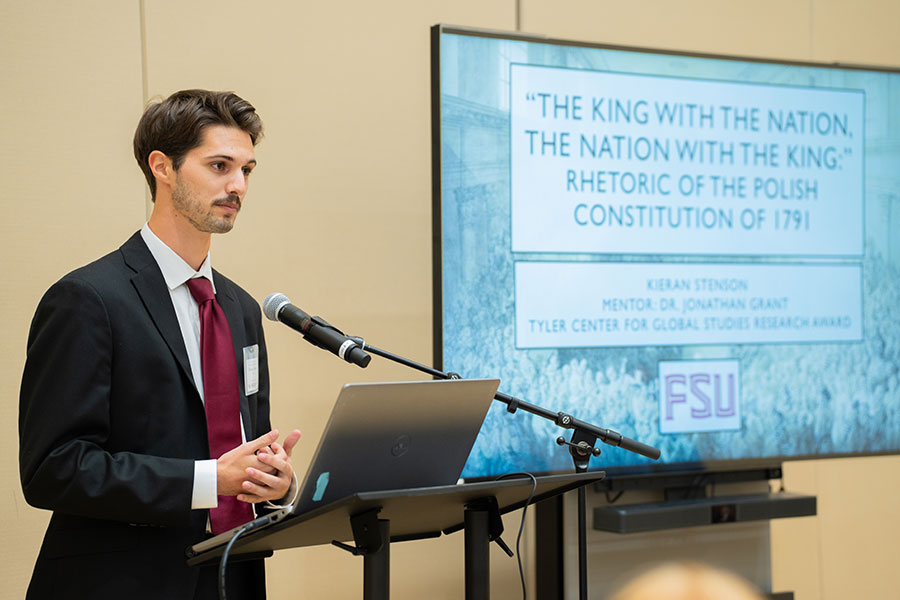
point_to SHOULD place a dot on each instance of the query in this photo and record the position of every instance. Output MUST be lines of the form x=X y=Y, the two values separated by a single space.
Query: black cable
x=614 y=499
x=224 y=562
x=522 y=525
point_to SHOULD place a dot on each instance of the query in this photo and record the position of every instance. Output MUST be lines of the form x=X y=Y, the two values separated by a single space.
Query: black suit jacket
x=110 y=425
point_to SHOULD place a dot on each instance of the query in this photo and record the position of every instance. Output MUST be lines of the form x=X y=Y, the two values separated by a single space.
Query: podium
x=372 y=520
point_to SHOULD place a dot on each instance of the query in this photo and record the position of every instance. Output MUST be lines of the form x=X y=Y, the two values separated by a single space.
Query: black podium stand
x=371 y=520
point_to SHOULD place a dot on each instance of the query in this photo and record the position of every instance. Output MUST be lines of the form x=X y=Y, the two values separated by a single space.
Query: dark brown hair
x=175 y=125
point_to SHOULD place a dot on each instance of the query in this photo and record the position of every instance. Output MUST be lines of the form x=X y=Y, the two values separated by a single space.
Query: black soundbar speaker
x=633 y=518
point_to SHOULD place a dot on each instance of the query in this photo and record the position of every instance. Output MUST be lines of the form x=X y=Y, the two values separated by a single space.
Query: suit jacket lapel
x=151 y=287
x=227 y=299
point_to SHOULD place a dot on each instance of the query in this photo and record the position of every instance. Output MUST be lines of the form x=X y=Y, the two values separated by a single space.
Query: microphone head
x=273 y=304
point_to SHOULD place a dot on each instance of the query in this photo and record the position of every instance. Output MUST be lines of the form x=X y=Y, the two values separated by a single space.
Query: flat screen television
x=699 y=252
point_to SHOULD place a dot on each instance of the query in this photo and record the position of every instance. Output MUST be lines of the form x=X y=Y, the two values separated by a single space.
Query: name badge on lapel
x=251 y=369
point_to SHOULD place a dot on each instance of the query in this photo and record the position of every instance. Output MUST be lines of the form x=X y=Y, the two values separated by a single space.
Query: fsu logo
x=699 y=395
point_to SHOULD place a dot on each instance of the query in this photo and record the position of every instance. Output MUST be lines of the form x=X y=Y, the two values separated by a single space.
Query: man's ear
x=161 y=167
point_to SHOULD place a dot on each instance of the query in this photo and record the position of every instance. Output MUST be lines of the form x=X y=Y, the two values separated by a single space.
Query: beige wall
x=70 y=75
x=339 y=212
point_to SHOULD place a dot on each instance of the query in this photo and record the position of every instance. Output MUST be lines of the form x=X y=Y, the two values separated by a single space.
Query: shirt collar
x=174 y=270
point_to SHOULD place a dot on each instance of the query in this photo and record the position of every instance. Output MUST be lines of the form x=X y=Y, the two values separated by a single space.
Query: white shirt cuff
x=205 y=485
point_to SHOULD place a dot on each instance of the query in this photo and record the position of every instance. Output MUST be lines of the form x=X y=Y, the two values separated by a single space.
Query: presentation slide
x=700 y=253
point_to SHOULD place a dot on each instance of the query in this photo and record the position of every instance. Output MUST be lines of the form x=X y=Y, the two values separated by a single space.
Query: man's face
x=212 y=181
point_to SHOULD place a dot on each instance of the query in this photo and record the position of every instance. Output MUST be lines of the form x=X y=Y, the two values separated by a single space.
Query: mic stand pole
x=581 y=446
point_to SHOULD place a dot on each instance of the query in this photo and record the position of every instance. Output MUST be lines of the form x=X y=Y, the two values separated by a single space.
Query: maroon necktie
x=220 y=396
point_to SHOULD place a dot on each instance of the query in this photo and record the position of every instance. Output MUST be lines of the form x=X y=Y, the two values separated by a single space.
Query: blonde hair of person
x=687 y=581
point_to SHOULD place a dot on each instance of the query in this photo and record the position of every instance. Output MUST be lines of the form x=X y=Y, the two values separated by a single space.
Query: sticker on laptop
x=321 y=484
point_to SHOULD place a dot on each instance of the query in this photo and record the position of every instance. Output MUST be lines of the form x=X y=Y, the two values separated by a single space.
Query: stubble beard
x=203 y=219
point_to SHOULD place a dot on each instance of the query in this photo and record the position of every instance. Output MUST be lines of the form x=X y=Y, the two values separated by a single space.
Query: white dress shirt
x=176 y=273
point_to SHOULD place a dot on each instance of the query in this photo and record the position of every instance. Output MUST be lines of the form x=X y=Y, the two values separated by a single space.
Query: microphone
x=278 y=307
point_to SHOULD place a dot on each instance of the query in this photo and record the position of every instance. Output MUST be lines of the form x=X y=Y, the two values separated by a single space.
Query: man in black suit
x=116 y=436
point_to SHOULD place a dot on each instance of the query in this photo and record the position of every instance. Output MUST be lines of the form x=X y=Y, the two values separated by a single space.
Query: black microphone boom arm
x=566 y=421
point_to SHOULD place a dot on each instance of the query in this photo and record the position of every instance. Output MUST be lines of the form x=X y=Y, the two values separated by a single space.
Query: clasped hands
x=258 y=470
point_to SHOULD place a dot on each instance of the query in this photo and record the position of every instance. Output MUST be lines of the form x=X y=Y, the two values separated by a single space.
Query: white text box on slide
x=620 y=163
x=580 y=304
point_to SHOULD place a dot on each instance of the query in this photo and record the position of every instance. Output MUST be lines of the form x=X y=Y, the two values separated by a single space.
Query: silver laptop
x=388 y=436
